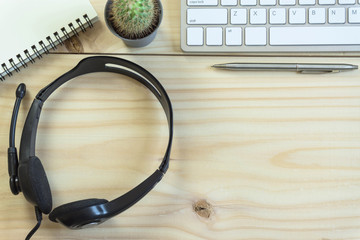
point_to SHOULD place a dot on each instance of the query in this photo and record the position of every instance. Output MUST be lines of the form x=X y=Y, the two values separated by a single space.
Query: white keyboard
x=270 y=25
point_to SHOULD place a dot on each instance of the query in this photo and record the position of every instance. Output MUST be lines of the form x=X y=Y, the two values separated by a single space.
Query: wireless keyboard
x=270 y=25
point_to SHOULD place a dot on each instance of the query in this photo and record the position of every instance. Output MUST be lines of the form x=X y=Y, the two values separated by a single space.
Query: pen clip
x=307 y=71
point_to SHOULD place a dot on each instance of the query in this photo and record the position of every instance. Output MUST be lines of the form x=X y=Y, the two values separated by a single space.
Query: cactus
x=134 y=19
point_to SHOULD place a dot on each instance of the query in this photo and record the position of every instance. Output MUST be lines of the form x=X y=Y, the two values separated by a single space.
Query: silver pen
x=298 y=67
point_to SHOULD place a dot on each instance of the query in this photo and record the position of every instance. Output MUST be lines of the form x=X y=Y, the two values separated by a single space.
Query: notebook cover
x=31 y=27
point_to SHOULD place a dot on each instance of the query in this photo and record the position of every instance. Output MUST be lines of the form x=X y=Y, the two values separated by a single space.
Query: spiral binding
x=14 y=65
x=21 y=60
x=71 y=26
x=52 y=42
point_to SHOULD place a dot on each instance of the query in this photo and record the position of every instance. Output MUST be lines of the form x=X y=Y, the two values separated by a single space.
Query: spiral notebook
x=31 y=28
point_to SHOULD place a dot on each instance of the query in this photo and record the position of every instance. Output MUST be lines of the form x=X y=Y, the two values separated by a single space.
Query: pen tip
x=218 y=66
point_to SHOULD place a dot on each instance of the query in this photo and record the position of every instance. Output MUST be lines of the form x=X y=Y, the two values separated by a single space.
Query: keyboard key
x=247 y=2
x=195 y=36
x=306 y=2
x=316 y=15
x=287 y=2
x=214 y=36
x=297 y=15
x=233 y=36
x=202 y=2
x=268 y=2
x=354 y=15
x=327 y=2
x=277 y=15
x=229 y=2
x=206 y=16
x=238 y=16
x=336 y=15
x=347 y=2
x=255 y=36
x=291 y=36
x=257 y=16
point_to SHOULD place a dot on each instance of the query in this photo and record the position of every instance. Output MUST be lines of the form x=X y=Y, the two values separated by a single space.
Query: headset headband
x=92 y=65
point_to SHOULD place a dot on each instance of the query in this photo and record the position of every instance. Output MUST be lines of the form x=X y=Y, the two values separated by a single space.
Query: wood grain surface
x=256 y=155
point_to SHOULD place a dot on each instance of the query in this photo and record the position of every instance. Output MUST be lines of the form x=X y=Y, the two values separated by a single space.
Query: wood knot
x=74 y=45
x=203 y=208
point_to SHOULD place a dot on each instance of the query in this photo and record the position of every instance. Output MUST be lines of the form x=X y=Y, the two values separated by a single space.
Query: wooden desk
x=256 y=155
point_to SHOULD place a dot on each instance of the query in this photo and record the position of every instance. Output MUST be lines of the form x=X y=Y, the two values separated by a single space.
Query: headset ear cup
x=34 y=184
x=72 y=207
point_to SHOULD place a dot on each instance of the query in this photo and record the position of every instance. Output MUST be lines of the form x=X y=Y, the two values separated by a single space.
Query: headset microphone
x=13 y=161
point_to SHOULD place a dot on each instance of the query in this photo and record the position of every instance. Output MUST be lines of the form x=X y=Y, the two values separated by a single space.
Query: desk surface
x=255 y=155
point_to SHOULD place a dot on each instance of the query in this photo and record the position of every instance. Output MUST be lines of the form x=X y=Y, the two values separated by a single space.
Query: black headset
x=28 y=175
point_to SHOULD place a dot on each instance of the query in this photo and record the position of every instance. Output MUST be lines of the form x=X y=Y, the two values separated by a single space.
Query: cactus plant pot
x=138 y=42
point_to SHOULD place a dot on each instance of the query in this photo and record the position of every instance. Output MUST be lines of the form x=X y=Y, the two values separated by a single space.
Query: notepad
x=30 y=28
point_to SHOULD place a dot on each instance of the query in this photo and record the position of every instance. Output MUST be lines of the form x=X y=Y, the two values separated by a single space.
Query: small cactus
x=134 y=19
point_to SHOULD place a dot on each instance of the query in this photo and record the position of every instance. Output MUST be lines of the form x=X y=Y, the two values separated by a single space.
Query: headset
x=28 y=176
